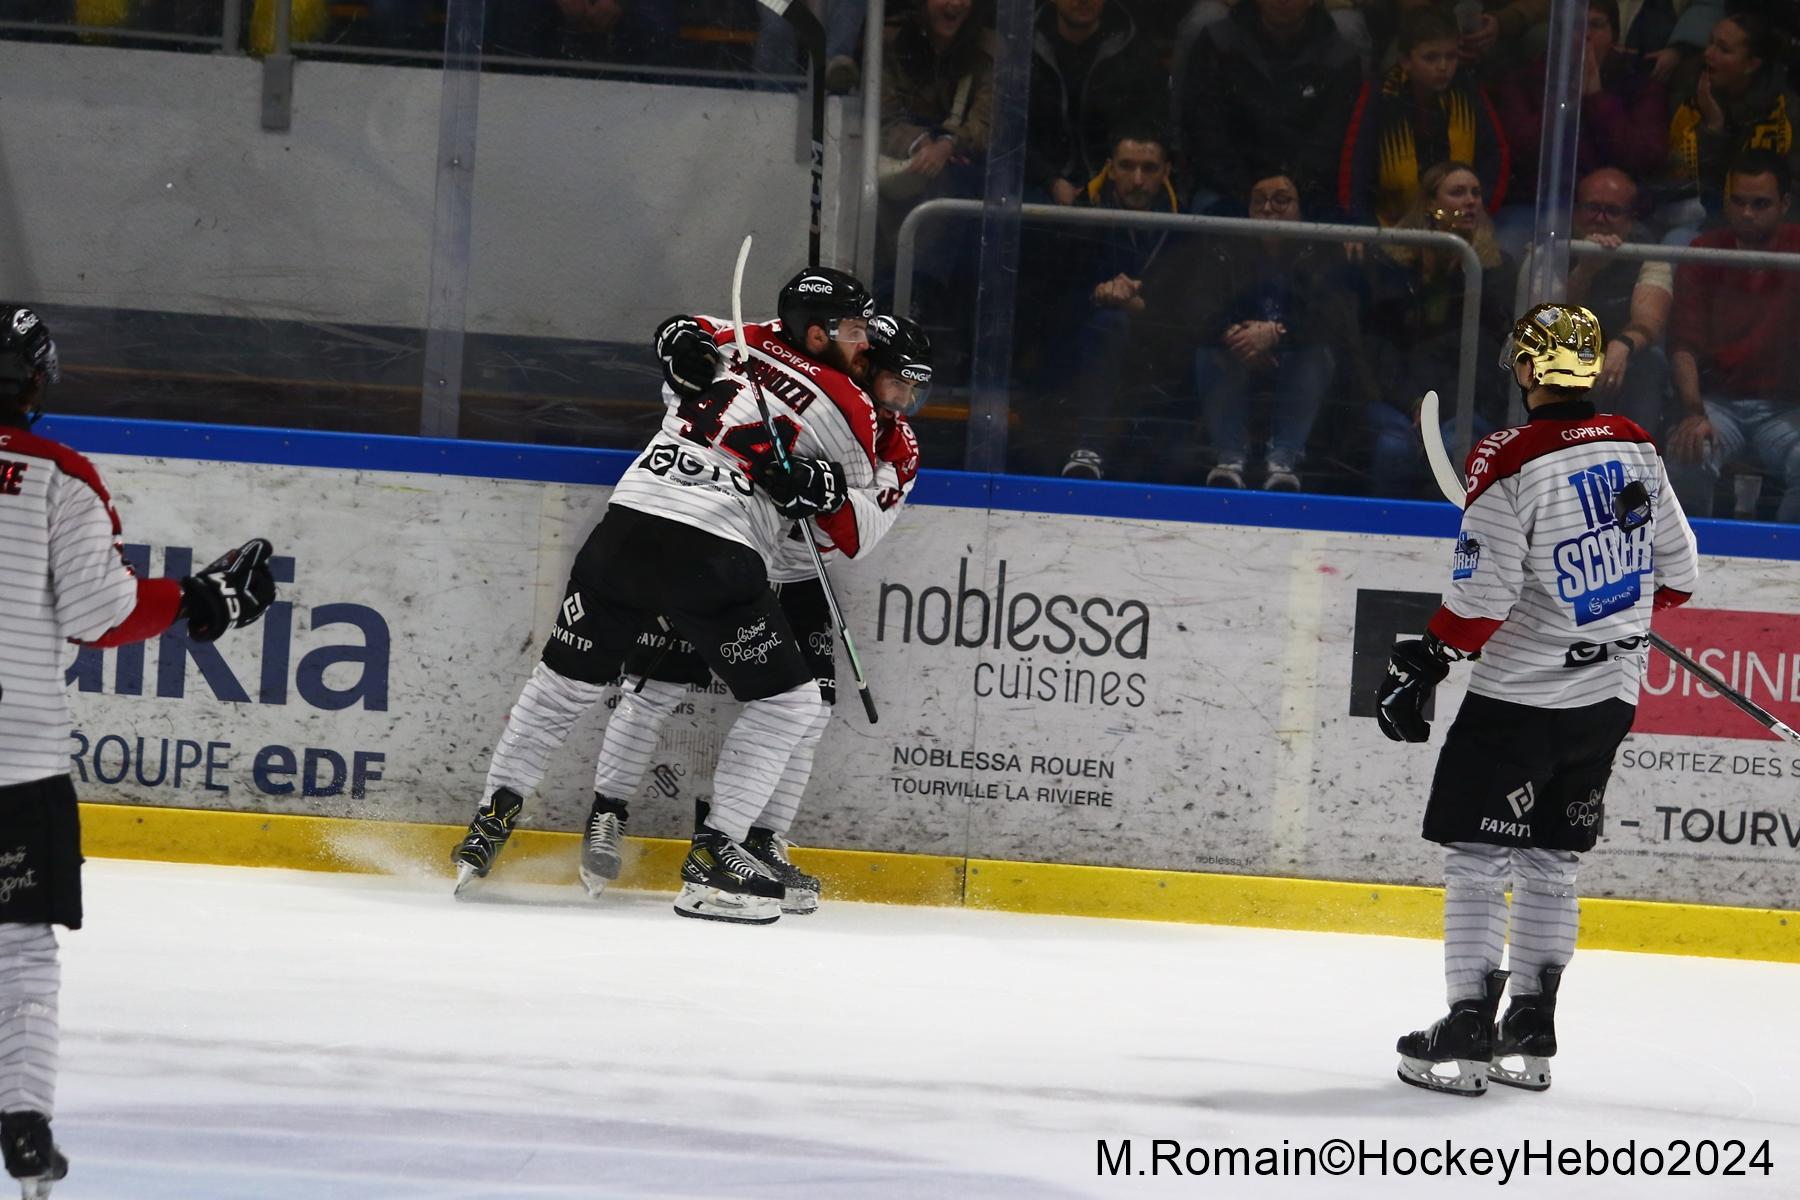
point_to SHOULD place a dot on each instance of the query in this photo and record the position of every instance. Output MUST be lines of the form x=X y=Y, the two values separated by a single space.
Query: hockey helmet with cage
x=901 y=346
x=1562 y=342
x=27 y=354
x=821 y=296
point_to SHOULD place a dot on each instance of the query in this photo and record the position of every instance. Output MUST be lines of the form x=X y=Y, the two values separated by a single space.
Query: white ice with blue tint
x=273 y=1035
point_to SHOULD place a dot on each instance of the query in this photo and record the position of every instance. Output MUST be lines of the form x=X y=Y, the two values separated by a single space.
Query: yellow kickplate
x=654 y=864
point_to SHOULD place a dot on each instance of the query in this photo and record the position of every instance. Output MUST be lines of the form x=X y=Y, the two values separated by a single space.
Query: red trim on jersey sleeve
x=158 y=605
x=898 y=446
x=840 y=527
x=1668 y=597
x=1505 y=452
x=67 y=461
x=1467 y=634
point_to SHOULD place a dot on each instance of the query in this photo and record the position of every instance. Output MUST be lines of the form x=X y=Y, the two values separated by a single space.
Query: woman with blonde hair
x=1412 y=325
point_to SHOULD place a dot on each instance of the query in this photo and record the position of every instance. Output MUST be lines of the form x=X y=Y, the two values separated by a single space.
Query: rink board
x=1078 y=674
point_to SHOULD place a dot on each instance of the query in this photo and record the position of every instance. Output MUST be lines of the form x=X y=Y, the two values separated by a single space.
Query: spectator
x=1090 y=74
x=1731 y=344
x=1733 y=100
x=1090 y=288
x=1624 y=110
x=635 y=31
x=1491 y=35
x=777 y=53
x=1412 y=327
x=1630 y=299
x=1348 y=15
x=1271 y=83
x=1269 y=318
x=1425 y=111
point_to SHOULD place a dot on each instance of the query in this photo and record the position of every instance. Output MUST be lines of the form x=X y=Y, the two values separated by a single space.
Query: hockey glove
x=230 y=593
x=806 y=487
x=689 y=356
x=1414 y=670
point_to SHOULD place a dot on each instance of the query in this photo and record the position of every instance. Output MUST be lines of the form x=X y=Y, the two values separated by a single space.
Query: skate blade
x=465 y=875
x=799 y=902
x=1532 y=1074
x=1470 y=1079
x=711 y=904
x=37 y=1187
x=596 y=881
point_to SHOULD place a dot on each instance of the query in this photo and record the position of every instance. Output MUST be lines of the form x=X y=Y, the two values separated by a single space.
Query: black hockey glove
x=689 y=356
x=806 y=487
x=231 y=592
x=1414 y=670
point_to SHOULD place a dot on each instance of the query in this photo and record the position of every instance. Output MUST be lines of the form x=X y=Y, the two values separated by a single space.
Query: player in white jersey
x=63 y=580
x=1571 y=536
x=687 y=540
x=657 y=675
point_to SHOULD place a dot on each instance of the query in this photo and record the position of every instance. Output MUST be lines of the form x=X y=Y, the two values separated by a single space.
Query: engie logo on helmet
x=24 y=320
x=822 y=286
x=1600 y=572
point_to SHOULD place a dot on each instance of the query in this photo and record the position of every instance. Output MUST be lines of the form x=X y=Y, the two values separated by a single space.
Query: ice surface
x=270 y=1035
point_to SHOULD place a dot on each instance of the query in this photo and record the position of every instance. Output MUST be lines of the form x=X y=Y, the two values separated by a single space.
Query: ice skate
x=1526 y=1041
x=771 y=850
x=493 y=824
x=1452 y=1056
x=600 y=844
x=720 y=881
x=31 y=1154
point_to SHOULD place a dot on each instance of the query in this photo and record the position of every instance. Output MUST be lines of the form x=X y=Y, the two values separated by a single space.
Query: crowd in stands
x=1234 y=360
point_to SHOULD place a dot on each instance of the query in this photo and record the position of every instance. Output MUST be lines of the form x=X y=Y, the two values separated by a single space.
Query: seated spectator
x=1732 y=346
x=1271 y=83
x=937 y=99
x=1088 y=288
x=1631 y=299
x=1492 y=36
x=1734 y=99
x=1348 y=15
x=1090 y=74
x=1425 y=111
x=1270 y=317
x=1624 y=111
x=778 y=53
x=1412 y=326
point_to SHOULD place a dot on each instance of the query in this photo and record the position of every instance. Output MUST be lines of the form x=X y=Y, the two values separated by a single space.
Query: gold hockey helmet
x=1563 y=343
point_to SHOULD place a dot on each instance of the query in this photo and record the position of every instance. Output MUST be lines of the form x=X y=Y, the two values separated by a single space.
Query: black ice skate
x=1462 y=1042
x=31 y=1155
x=600 y=844
x=1527 y=1037
x=493 y=824
x=720 y=881
x=771 y=850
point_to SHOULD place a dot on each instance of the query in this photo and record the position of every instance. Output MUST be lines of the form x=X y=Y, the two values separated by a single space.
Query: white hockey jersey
x=696 y=470
x=1543 y=579
x=62 y=579
x=852 y=531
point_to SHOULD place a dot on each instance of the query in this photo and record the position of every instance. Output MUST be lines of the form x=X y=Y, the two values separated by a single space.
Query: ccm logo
x=1585 y=432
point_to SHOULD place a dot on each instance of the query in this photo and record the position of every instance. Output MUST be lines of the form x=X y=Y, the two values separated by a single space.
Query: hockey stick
x=1439 y=458
x=781 y=457
x=812 y=36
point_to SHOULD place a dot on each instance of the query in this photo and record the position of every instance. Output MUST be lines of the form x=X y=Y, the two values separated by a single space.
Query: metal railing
x=1656 y=252
x=1112 y=218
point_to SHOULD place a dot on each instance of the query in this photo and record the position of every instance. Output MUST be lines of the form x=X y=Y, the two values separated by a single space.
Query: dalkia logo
x=1758 y=653
x=1093 y=626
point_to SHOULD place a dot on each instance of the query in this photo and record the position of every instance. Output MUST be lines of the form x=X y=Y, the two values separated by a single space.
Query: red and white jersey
x=1543 y=580
x=696 y=470
x=62 y=579
x=852 y=531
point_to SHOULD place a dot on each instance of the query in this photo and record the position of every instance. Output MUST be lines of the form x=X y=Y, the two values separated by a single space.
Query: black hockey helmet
x=901 y=346
x=821 y=296
x=27 y=355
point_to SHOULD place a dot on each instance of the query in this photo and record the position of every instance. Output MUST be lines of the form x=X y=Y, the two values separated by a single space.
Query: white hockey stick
x=1432 y=431
x=781 y=457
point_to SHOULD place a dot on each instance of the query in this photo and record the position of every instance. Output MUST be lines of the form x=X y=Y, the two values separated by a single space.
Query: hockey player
x=65 y=581
x=1571 y=536
x=657 y=676
x=686 y=542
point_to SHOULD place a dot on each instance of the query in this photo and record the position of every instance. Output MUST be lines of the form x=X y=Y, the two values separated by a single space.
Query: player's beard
x=837 y=356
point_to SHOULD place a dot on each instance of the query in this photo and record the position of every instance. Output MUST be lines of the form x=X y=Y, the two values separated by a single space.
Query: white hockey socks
x=539 y=723
x=1546 y=914
x=784 y=804
x=1474 y=916
x=631 y=735
x=755 y=756
x=30 y=977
